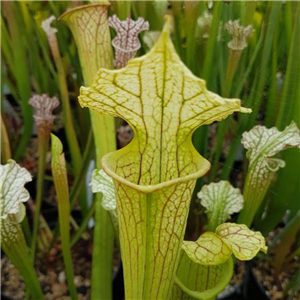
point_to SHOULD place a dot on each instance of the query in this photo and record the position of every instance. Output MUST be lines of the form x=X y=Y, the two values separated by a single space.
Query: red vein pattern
x=126 y=43
x=155 y=174
x=200 y=278
x=91 y=33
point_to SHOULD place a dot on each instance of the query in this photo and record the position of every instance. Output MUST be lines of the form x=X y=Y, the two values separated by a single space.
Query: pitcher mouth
x=146 y=189
x=78 y=8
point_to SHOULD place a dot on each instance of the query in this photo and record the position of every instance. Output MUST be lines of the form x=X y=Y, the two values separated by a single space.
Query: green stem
x=249 y=12
x=238 y=90
x=201 y=135
x=233 y=62
x=288 y=10
x=103 y=232
x=69 y=125
x=209 y=55
x=274 y=11
x=64 y=95
x=291 y=84
x=191 y=14
x=273 y=93
x=43 y=143
x=177 y=38
x=250 y=204
x=26 y=230
x=254 y=192
x=102 y=252
x=232 y=65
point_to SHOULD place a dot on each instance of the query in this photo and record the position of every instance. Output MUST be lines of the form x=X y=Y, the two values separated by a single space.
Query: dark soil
x=274 y=287
x=52 y=276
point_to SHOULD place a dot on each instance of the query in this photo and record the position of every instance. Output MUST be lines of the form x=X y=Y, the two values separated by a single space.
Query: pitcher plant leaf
x=101 y=182
x=155 y=174
x=262 y=144
x=209 y=249
x=196 y=281
x=221 y=200
x=12 y=180
x=243 y=242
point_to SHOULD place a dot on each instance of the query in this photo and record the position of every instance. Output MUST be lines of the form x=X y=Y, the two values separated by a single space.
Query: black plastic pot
x=252 y=289
x=3 y=297
x=118 y=284
x=236 y=294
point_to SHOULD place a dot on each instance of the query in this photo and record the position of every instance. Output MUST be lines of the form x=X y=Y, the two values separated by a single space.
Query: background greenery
x=266 y=79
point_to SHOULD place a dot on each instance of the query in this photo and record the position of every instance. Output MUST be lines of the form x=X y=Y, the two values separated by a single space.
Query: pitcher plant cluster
x=144 y=189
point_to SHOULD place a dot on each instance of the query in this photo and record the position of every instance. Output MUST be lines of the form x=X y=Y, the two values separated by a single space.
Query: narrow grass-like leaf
x=293 y=285
x=6 y=44
x=78 y=185
x=5 y=144
x=255 y=98
x=291 y=84
x=64 y=96
x=207 y=69
x=59 y=173
x=191 y=10
x=122 y=9
x=284 y=248
x=286 y=228
x=20 y=71
x=201 y=135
